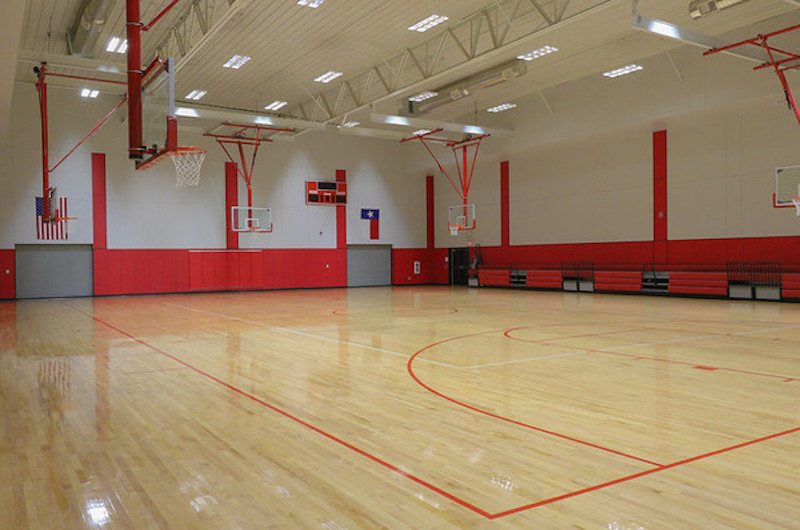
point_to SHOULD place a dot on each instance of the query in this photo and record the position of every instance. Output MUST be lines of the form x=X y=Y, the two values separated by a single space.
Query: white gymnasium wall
x=145 y=211
x=21 y=166
x=584 y=172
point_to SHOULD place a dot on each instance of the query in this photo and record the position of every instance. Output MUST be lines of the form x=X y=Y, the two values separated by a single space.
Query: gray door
x=369 y=265
x=51 y=271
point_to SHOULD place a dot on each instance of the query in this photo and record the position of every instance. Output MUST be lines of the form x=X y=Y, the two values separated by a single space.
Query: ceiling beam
x=477 y=53
x=418 y=123
x=13 y=15
x=667 y=29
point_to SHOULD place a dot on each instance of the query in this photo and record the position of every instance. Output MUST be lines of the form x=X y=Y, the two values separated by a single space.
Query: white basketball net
x=188 y=163
x=796 y=201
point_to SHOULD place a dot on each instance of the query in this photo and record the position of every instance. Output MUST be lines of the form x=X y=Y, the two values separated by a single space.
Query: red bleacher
x=704 y=283
x=543 y=279
x=790 y=285
x=629 y=281
x=494 y=277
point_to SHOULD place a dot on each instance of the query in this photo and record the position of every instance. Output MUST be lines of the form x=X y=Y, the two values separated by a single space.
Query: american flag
x=53 y=229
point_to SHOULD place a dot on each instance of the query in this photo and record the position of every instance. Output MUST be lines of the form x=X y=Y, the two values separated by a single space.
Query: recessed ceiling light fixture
x=423 y=96
x=351 y=124
x=89 y=93
x=538 y=52
x=117 y=45
x=328 y=77
x=310 y=3
x=196 y=94
x=502 y=107
x=421 y=132
x=623 y=71
x=187 y=113
x=427 y=23
x=236 y=62
x=276 y=105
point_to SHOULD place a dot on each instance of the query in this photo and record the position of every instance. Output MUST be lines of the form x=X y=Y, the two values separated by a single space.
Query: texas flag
x=372 y=215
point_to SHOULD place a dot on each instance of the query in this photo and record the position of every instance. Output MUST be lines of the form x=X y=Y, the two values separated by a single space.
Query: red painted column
x=660 y=243
x=504 y=208
x=341 y=215
x=100 y=261
x=231 y=200
x=99 y=200
x=430 y=211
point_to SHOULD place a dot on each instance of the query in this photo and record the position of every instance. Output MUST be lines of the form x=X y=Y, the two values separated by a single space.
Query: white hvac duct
x=468 y=86
x=701 y=8
x=87 y=25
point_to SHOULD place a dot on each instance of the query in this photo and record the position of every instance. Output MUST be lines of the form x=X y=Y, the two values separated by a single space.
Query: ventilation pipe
x=701 y=8
x=87 y=25
x=468 y=86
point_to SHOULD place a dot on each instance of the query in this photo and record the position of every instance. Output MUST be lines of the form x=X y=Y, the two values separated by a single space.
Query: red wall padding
x=7 y=281
x=169 y=271
x=403 y=266
x=699 y=254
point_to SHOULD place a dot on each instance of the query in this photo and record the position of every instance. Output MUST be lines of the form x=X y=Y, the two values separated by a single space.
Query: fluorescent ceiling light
x=664 y=28
x=117 y=45
x=186 y=113
x=502 y=107
x=89 y=93
x=428 y=23
x=423 y=96
x=276 y=105
x=421 y=132
x=236 y=62
x=539 y=52
x=623 y=71
x=328 y=77
x=310 y=3
x=351 y=124
x=196 y=94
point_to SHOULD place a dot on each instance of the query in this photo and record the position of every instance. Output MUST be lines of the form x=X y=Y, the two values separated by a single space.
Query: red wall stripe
x=660 y=197
x=231 y=200
x=99 y=199
x=504 y=204
x=430 y=211
x=341 y=215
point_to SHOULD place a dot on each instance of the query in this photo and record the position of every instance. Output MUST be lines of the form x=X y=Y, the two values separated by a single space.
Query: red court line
x=156 y=371
x=344 y=313
x=508 y=334
x=642 y=474
x=410 y=367
x=295 y=419
x=783 y=378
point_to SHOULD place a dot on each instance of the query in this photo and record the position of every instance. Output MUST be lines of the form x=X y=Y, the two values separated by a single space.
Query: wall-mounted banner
x=372 y=215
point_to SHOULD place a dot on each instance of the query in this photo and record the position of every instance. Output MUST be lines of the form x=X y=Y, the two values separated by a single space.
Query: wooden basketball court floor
x=410 y=407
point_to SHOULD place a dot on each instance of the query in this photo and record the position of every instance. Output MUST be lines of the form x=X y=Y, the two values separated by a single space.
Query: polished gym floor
x=408 y=407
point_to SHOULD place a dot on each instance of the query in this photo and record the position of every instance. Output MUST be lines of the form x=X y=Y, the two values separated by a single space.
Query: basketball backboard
x=787 y=186
x=249 y=219
x=159 y=125
x=461 y=217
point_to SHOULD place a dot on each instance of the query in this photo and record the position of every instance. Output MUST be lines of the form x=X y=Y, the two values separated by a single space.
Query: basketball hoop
x=796 y=201
x=454 y=230
x=188 y=163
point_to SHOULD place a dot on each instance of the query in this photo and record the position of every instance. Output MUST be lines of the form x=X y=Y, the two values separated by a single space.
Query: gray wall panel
x=50 y=271
x=369 y=265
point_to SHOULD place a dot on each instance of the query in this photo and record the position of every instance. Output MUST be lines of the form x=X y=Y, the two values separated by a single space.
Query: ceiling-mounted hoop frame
x=464 y=167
